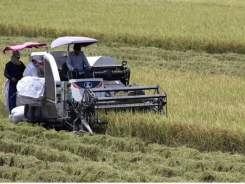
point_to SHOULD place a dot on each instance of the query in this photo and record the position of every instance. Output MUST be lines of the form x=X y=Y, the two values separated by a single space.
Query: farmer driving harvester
x=76 y=61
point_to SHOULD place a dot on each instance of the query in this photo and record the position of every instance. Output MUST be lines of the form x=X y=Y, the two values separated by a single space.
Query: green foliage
x=212 y=26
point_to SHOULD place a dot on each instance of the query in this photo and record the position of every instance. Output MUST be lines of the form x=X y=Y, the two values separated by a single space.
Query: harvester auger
x=128 y=98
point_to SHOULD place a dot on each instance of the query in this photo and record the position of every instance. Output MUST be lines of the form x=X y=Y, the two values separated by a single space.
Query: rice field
x=213 y=26
x=203 y=100
x=193 y=49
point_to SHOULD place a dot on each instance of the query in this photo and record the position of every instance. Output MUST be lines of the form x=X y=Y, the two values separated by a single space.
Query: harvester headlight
x=124 y=63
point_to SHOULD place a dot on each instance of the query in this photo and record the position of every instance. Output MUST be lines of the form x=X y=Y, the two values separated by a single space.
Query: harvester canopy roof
x=25 y=45
x=67 y=40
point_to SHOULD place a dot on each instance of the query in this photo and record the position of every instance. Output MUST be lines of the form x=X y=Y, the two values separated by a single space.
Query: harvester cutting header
x=75 y=103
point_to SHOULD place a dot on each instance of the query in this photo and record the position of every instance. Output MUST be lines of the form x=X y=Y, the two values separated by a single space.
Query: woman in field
x=13 y=72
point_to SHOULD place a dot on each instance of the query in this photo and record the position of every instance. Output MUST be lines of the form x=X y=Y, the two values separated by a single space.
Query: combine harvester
x=75 y=104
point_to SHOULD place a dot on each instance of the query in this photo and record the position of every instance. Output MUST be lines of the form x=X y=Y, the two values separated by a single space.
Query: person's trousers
x=12 y=96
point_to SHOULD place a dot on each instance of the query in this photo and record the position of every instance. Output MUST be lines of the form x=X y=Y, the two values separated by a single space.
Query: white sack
x=32 y=87
x=31 y=90
x=17 y=114
x=30 y=101
x=6 y=93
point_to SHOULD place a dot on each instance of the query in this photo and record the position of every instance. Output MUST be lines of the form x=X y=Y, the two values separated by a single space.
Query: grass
x=213 y=26
x=32 y=154
x=166 y=43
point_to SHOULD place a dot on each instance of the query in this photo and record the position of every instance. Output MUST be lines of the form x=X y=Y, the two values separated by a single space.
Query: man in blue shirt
x=76 y=61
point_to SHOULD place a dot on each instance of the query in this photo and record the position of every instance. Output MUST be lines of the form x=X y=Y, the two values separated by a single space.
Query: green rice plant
x=214 y=26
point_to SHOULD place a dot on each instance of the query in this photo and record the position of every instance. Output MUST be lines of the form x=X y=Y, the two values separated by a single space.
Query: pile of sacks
x=17 y=113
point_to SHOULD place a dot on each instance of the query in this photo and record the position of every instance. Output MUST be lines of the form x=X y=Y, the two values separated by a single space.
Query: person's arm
x=34 y=72
x=6 y=72
x=86 y=63
x=68 y=62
